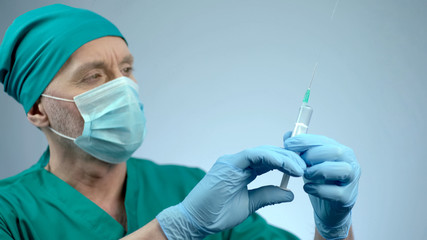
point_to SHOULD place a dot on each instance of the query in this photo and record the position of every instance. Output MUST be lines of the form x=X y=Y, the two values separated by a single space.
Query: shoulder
x=18 y=179
x=19 y=185
x=17 y=194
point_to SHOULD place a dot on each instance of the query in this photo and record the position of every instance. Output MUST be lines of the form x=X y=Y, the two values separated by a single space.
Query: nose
x=115 y=73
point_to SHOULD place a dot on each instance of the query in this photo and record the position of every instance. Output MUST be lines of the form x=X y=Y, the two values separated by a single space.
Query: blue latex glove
x=221 y=200
x=331 y=180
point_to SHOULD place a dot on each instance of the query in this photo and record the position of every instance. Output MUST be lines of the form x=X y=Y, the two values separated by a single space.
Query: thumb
x=268 y=195
x=286 y=136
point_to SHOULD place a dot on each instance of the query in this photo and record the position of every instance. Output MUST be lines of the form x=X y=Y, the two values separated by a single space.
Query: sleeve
x=254 y=227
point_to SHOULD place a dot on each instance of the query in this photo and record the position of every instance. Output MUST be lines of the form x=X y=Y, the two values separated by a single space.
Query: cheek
x=74 y=111
x=74 y=121
x=64 y=117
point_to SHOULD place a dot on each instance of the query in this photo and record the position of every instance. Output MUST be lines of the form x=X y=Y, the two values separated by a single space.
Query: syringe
x=301 y=125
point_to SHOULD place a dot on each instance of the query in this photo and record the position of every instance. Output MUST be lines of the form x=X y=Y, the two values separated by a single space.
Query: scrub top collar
x=72 y=200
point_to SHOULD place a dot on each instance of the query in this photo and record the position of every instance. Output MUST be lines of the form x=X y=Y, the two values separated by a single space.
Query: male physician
x=71 y=70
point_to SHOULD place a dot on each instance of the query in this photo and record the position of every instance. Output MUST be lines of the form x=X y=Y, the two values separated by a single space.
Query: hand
x=331 y=180
x=221 y=200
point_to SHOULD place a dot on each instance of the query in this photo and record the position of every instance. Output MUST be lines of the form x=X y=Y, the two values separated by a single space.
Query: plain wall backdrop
x=220 y=76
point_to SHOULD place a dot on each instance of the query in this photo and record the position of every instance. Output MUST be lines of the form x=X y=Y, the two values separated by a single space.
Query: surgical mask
x=114 y=121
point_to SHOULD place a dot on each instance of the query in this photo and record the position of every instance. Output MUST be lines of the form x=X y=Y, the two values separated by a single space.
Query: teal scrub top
x=36 y=204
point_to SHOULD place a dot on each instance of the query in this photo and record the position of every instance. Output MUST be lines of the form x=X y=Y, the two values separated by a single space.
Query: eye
x=93 y=77
x=127 y=71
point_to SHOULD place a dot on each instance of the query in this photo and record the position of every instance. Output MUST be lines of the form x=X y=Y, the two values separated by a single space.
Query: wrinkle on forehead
x=107 y=49
x=99 y=53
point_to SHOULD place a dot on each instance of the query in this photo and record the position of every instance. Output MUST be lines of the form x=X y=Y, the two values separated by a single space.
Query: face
x=92 y=65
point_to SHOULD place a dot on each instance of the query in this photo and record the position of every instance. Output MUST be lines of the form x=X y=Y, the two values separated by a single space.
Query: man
x=71 y=70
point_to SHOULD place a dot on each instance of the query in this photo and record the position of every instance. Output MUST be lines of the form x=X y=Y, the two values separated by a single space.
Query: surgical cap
x=39 y=42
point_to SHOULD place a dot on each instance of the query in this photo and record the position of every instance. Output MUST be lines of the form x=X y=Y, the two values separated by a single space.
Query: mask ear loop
x=57 y=98
x=62 y=135
x=53 y=130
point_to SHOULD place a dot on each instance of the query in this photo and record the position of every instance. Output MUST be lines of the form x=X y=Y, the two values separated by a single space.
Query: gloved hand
x=331 y=180
x=221 y=200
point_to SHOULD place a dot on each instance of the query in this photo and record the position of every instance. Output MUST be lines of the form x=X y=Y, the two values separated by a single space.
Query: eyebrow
x=127 y=59
x=99 y=64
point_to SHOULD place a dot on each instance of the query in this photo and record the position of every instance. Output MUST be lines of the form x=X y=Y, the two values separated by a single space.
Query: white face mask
x=114 y=121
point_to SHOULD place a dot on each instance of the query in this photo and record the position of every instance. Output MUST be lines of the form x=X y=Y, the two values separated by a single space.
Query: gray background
x=221 y=76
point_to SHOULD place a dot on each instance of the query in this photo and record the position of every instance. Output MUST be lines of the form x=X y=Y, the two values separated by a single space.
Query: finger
x=287 y=135
x=266 y=158
x=317 y=149
x=331 y=171
x=268 y=195
x=333 y=193
x=295 y=156
x=303 y=142
x=319 y=154
x=278 y=158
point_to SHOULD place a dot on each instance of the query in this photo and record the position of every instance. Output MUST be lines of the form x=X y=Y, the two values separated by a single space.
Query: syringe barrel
x=303 y=120
x=301 y=126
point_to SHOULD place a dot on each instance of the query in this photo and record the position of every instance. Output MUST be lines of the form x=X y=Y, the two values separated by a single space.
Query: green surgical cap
x=39 y=42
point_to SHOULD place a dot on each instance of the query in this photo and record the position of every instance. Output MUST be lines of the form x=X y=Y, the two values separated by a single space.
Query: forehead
x=101 y=49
